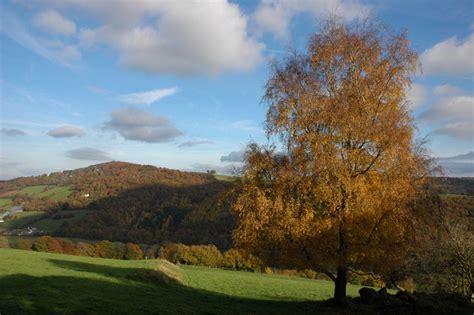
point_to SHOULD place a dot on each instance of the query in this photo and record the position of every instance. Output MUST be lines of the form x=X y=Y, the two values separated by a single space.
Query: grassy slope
x=22 y=219
x=5 y=203
x=41 y=221
x=50 y=225
x=55 y=193
x=34 y=282
x=266 y=287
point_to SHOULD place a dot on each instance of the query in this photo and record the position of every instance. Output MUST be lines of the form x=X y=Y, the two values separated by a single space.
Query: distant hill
x=145 y=204
x=130 y=202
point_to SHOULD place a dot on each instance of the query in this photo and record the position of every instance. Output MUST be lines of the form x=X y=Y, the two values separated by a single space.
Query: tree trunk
x=340 y=286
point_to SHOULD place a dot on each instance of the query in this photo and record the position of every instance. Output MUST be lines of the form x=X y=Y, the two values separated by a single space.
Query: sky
x=179 y=84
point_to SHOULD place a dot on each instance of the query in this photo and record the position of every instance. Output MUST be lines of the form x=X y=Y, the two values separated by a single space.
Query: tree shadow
x=119 y=290
x=125 y=290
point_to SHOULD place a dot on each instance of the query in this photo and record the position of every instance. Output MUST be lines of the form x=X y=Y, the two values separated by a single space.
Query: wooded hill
x=146 y=204
x=130 y=202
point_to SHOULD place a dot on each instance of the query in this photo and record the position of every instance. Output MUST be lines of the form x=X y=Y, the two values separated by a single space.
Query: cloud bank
x=53 y=22
x=275 y=15
x=451 y=57
x=139 y=125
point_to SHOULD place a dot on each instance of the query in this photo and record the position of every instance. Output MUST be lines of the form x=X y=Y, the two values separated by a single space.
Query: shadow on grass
x=124 y=291
x=117 y=290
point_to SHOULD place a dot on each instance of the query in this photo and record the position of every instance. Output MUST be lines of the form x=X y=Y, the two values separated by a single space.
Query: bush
x=24 y=244
x=206 y=255
x=133 y=252
x=105 y=249
x=240 y=260
x=364 y=279
x=47 y=244
x=68 y=247
x=200 y=255
x=120 y=250
x=86 y=249
x=152 y=252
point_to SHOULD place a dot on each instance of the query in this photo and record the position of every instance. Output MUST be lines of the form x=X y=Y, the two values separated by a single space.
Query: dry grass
x=168 y=272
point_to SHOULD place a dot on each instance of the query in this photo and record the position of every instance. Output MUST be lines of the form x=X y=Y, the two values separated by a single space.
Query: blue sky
x=178 y=84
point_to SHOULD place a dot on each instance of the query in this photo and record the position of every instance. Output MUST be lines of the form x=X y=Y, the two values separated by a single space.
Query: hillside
x=128 y=202
x=35 y=282
x=43 y=283
x=145 y=204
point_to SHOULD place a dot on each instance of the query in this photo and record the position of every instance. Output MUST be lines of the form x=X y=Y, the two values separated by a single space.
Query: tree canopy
x=335 y=187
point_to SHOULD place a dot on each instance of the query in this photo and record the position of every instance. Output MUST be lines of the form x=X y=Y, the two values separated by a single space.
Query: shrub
x=86 y=249
x=408 y=284
x=240 y=260
x=120 y=250
x=201 y=255
x=47 y=244
x=365 y=279
x=105 y=249
x=68 y=247
x=24 y=244
x=133 y=252
x=206 y=255
x=152 y=251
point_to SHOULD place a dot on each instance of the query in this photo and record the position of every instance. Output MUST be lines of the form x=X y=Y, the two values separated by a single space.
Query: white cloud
x=450 y=57
x=88 y=154
x=189 y=37
x=55 y=51
x=416 y=96
x=53 y=22
x=69 y=52
x=12 y=132
x=462 y=130
x=275 y=15
x=452 y=115
x=138 y=125
x=66 y=132
x=147 y=97
x=451 y=108
x=234 y=156
x=193 y=143
x=447 y=90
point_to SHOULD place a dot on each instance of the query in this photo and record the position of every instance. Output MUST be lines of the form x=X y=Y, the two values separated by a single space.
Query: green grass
x=265 y=287
x=33 y=282
x=56 y=193
x=49 y=225
x=40 y=220
x=225 y=178
x=21 y=219
x=5 y=203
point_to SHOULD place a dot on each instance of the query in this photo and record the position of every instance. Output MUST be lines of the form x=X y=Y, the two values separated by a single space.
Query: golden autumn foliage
x=335 y=190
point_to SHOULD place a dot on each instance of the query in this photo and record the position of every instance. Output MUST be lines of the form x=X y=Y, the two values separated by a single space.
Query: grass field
x=21 y=219
x=5 y=203
x=41 y=221
x=56 y=193
x=33 y=282
x=226 y=178
x=49 y=225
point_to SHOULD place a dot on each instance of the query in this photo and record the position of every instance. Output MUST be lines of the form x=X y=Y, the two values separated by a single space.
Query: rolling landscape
x=236 y=157
x=56 y=205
